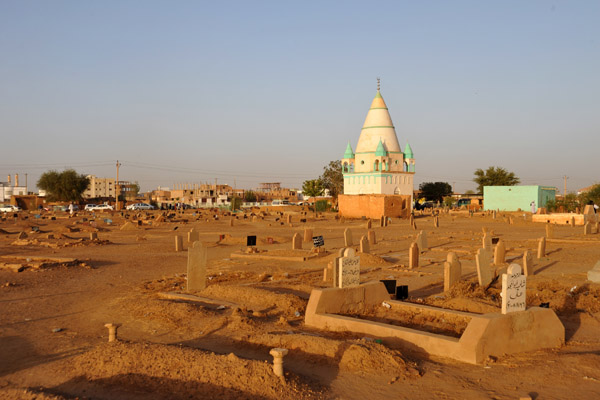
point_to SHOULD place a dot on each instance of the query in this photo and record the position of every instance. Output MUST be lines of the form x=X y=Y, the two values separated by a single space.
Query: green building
x=511 y=198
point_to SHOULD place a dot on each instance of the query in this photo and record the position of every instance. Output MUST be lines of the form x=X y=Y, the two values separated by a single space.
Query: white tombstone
x=349 y=274
x=514 y=286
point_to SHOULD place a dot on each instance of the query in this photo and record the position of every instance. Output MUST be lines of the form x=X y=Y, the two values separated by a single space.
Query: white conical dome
x=378 y=126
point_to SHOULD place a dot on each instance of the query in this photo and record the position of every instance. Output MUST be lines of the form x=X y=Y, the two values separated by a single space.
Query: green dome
x=349 y=153
x=408 y=153
x=380 y=152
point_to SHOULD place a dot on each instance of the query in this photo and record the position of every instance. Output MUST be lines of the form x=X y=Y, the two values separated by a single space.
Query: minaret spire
x=378 y=84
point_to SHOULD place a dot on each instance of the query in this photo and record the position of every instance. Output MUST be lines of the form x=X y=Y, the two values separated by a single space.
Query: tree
x=312 y=188
x=250 y=196
x=494 y=176
x=592 y=195
x=63 y=186
x=333 y=179
x=435 y=191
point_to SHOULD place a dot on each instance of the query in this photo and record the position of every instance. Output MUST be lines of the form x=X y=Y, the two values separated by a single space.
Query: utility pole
x=117 y=187
x=565 y=192
x=26 y=190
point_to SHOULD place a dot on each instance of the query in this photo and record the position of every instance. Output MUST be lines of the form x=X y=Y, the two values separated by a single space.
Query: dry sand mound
x=162 y=371
x=376 y=359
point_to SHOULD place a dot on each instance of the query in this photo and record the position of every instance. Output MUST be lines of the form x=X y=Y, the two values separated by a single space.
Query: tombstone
x=364 y=244
x=371 y=237
x=484 y=269
x=196 y=267
x=335 y=272
x=382 y=221
x=193 y=236
x=597 y=230
x=413 y=255
x=527 y=263
x=369 y=224
x=93 y=235
x=587 y=229
x=499 y=253
x=289 y=218
x=422 y=241
x=487 y=242
x=452 y=271
x=231 y=221
x=411 y=220
x=296 y=242
x=549 y=231
x=494 y=214
x=347 y=238
x=178 y=243
x=349 y=275
x=328 y=272
x=308 y=234
x=514 y=286
x=594 y=273
x=588 y=210
x=436 y=222
x=572 y=221
x=541 y=250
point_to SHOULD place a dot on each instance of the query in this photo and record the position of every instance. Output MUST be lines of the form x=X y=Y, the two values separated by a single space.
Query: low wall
x=374 y=205
x=488 y=334
x=565 y=218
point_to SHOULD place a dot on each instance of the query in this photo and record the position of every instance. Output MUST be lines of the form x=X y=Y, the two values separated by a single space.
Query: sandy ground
x=53 y=343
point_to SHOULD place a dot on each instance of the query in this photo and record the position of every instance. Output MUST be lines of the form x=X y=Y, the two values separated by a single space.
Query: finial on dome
x=378 y=84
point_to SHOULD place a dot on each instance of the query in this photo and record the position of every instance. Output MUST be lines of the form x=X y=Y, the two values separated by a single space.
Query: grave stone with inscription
x=514 y=286
x=349 y=269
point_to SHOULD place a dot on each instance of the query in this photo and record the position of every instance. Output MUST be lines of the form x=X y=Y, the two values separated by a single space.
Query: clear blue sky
x=190 y=91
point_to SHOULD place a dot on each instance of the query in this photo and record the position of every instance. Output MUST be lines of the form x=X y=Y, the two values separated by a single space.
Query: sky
x=272 y=91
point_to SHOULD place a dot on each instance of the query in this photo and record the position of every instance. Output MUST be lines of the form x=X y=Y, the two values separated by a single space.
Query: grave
x=296 y=242
x=308 y=233
x=349 y=269
x=513 y=290
x=413 y=255
x=196 y=267
x=178 y=243
x=371 y=237
x=452 y=271
x=541 y=251
x=587 y=229
x=487 y=242
x=527 y=263
x=594 y=273
x=347 y=238
x=193 y=236
x=484 y=335
x=484 y=270
x=549 y=231
x=422 y=241
x=364 y=245
x=499 y=253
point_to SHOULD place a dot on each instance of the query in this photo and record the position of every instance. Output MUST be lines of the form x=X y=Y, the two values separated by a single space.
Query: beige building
x=99 y=187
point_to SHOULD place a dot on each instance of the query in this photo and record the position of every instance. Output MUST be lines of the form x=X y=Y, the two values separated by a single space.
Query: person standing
x=71 y=208
x=532 y=204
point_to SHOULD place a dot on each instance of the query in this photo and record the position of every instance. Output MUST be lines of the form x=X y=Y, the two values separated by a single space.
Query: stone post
x=278 y=354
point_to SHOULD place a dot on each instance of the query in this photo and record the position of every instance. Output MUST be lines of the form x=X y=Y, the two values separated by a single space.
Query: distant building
x=512 y=198
x=99 y=187
x=8 y=189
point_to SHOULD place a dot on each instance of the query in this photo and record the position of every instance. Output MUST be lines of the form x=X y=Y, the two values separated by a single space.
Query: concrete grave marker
x=594 y=273
x=572 y=222
x=196 y=267
x=484 y=270
x=347 y=238
x=308 y=234
x=369 y=224
x=527 y=263
x=549 y=231
x=178 y=243
x=487 y=242
x=364 y=244
x=587 y=229
x=588 y=210
x=413 y=255
x=436 y=222
x=541 y=250
x=296 y=242
x=422 y=241
x=514 y=286
x=371 y=237
x=452 y=271
x=499 y=253
x=349 y=269
x=193 y=236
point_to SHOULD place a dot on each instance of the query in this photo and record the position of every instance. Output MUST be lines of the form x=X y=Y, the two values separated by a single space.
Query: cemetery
x=358 y=305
